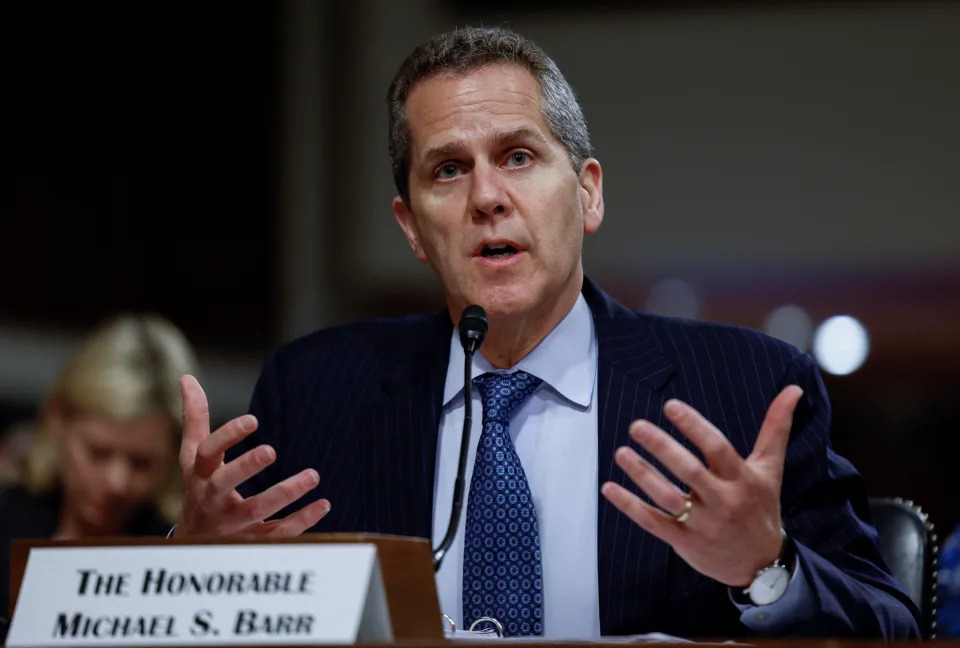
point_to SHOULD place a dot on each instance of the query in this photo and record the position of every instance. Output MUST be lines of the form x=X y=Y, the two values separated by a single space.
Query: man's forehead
x=491 y=103
x=495 y=74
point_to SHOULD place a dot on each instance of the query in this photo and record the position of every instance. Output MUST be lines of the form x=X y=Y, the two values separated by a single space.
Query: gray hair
x=463 y=50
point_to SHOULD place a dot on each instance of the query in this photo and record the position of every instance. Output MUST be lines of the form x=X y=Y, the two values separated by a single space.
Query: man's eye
x=518 y=158
x=447 y=171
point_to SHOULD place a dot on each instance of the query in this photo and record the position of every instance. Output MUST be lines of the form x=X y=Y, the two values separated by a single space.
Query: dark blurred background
x=770 y=164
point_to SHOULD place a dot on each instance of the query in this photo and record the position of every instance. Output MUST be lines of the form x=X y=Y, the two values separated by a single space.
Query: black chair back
x=908 y=545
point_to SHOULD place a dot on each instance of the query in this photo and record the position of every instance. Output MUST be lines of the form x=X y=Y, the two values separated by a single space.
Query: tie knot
x=502 y=394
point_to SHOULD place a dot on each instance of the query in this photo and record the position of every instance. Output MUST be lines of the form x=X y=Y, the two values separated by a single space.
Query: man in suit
x=629 y=473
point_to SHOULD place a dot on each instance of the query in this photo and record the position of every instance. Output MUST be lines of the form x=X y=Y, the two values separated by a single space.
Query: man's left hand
x=728 y=525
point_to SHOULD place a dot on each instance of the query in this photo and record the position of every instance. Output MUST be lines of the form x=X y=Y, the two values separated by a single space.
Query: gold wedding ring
x=685 y=513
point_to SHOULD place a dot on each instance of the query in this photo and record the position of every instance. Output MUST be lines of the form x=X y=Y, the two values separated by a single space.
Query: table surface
x=614 y=641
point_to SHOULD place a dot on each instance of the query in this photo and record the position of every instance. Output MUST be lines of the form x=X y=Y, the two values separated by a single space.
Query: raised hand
x=211 y=502
x=728 y=525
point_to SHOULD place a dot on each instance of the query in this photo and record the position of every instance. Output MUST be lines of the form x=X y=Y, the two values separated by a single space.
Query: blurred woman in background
x=104 y=461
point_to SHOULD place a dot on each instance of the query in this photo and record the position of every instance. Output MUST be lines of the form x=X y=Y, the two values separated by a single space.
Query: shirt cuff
x=768 y=619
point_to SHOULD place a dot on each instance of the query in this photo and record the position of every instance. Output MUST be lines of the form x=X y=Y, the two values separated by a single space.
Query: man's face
x=495 y=206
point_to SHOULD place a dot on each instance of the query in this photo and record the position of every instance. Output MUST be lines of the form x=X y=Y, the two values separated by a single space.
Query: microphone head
x=473 y=327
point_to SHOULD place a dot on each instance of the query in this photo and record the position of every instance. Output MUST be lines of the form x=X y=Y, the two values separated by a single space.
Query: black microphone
x=473 y=328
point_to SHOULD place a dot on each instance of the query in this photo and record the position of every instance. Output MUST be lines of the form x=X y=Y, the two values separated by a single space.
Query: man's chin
x=507 y=302
x=523 y=298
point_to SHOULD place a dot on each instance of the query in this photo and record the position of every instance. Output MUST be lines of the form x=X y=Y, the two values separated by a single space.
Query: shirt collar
x=566 y=359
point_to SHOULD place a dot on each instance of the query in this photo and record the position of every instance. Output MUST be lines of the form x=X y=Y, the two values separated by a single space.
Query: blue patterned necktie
x=501 y=554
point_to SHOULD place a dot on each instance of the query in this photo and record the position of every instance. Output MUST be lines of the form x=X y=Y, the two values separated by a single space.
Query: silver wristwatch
x=771 y=582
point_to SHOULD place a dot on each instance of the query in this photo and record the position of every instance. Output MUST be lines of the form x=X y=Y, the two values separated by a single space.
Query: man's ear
x=591 y=195
x=405 y=219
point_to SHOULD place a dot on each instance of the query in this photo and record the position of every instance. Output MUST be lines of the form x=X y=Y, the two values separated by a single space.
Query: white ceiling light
x=841 y=345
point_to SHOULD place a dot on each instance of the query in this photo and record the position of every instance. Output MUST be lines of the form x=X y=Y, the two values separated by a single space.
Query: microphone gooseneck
x=473 y=328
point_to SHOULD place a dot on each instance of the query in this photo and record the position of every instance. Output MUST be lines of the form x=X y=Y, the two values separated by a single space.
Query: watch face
x=769 y=585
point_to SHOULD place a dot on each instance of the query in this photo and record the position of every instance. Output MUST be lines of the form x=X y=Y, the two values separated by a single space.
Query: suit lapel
x=402 y=427
x=631 y=372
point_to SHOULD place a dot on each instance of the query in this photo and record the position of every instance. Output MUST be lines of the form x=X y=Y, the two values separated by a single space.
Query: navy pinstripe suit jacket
x=361 y=404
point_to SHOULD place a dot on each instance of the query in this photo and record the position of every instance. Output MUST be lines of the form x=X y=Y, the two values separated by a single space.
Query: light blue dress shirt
x=555 y=434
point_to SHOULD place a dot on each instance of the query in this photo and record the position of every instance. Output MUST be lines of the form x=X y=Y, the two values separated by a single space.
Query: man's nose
x=488 y=195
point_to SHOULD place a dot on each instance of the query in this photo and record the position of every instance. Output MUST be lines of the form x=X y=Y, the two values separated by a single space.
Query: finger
x=675 y=458
x=719 y=453
x=775 y=432
x=230 y=475
x=260 y=507
x=211 y=450
x=663 y=493
x=296 y=523
x=196 y=419
x=653 y=520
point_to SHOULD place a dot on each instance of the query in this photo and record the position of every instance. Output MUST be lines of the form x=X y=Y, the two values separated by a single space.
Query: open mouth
x=501 y=251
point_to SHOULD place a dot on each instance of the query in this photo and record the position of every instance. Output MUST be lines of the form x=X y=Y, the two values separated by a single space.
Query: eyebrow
x=452 y=148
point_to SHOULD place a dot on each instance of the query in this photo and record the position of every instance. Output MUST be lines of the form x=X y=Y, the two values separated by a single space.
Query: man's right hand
x=211 y=503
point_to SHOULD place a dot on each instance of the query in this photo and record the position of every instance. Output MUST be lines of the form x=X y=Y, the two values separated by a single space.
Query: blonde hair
x=128 y=368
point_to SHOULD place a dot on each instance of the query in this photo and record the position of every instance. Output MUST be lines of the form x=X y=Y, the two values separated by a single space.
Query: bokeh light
x=673 y=298
x=841 y=345
x=791 y=324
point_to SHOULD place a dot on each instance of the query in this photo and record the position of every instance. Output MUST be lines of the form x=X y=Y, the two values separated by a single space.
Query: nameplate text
x=200 y=595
